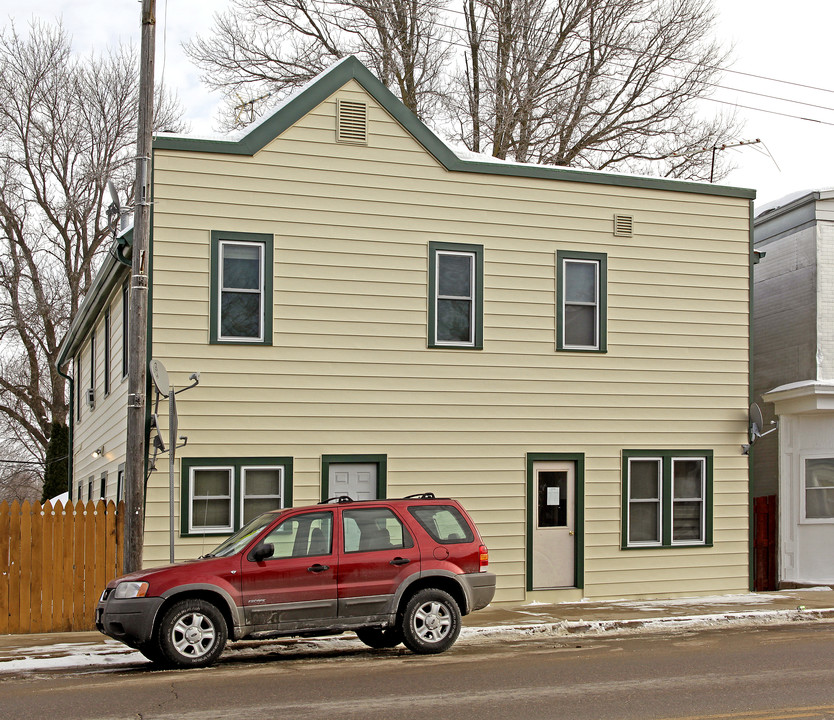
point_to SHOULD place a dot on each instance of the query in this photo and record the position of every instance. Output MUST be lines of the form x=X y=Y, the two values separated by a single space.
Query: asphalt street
x=746 y=673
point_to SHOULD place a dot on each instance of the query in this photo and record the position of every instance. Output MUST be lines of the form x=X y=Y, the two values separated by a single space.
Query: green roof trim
x=351 y=68
x=109 y=276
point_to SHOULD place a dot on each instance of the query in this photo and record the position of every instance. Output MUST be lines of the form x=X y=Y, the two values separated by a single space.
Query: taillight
x=483 y=559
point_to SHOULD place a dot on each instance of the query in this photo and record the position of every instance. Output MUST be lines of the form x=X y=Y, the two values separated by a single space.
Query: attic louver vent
x=623 y=225
x=352 y=122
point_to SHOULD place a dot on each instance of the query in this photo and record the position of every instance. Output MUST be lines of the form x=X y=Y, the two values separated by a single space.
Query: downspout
x=71 y=458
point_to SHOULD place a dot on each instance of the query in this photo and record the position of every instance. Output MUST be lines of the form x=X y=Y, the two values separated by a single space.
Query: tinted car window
x=374 y=529
x=302 y=536
x=444 y=523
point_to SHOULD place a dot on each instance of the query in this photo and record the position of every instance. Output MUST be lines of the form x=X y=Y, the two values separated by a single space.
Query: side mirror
x=262 y=552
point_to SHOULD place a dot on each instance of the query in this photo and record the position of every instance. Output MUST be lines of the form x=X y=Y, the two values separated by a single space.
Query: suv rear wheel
x=430 y=622
x=192 y=633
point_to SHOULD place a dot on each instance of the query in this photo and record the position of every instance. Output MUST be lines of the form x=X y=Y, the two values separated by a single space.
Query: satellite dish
x=160 y=377
x=756 y=421
x=114 y=210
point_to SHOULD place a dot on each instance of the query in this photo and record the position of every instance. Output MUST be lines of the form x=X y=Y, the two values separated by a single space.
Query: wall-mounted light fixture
x=97 y=453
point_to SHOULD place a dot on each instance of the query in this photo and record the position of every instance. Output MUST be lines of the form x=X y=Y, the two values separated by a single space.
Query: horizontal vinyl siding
x=349 y=371
x=106 y=424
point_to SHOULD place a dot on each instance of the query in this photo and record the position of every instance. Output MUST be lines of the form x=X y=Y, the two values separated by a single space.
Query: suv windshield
x=241 y=538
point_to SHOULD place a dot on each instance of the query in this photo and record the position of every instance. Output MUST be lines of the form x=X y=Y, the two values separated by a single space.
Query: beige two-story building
x=375 y=314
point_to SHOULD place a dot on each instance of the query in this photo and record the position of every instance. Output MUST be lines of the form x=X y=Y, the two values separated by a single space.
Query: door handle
x=317 y=568
x=400 y=561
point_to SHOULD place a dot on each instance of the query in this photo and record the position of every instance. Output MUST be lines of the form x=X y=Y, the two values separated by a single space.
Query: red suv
x=390 y=570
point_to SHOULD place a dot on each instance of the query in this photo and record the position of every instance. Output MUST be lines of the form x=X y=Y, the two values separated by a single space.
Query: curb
x=567 y=628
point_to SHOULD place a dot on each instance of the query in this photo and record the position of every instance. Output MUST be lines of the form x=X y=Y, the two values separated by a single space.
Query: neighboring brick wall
x=784 y=333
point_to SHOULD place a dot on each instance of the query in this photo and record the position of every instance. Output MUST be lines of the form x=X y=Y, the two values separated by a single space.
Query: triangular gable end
x=306 y=100
x=318 y=90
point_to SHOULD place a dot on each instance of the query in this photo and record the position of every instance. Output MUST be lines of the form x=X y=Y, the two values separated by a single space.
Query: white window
x=819 y=489
x=688 y=487
x=261 y=490
x=220 y=495
x=644 y=501
x=580 y=304
x=210 y=490
x=455 y=298
x=667 y=498
x=241 y=288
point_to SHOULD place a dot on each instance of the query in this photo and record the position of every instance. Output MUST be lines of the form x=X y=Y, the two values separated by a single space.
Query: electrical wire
x=448 y=41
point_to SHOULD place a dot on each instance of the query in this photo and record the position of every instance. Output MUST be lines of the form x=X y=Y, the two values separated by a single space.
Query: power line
x=622 y=48
x=451 y=42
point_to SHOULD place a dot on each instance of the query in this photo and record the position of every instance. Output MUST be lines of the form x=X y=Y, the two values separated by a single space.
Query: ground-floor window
x=819 y=488
x=667 y=498
x=220 y=495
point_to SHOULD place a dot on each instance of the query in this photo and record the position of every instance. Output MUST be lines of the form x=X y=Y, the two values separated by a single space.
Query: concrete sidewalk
x=579 y=618
x=777 y=607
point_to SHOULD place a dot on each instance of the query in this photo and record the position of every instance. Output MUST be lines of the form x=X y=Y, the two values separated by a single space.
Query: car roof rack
x=420 y=496
x=337 y=499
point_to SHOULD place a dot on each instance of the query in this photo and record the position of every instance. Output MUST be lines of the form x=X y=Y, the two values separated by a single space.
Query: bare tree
x=603 y=84
x=19 y=482
x=67 y=125
x=264 y=47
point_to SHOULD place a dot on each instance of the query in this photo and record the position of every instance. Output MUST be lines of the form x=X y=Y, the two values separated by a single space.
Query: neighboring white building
x=793 y=368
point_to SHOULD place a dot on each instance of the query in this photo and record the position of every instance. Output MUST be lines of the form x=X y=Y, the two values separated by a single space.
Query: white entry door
x=356 y=480
x=554 y=540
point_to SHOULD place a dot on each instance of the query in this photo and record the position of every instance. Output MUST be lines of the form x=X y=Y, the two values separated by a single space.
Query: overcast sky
x=775 y=40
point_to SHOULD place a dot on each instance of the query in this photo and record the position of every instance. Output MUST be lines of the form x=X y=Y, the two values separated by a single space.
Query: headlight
x=131 y=590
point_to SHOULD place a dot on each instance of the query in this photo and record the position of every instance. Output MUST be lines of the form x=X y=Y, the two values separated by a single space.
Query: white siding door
x=356 y=480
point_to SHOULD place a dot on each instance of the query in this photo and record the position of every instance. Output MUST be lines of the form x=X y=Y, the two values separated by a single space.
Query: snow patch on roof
x=237 y=135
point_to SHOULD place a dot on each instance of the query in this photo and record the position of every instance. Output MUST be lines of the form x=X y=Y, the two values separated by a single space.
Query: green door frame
x=578 y=459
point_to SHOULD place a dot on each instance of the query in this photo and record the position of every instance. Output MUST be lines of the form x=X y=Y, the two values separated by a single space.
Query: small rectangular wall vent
x=352 y=122
x=623 y=225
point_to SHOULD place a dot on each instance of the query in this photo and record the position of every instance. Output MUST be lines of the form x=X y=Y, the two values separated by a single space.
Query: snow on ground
x=68 y=656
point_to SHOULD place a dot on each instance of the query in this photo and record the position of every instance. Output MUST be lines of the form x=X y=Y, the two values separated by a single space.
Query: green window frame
x=223 y=287
x=575 y=303
x=663 y=492
x=107 y=351
x=241 y=499
x=465 y=302
x=78 y=391
x=125 y=327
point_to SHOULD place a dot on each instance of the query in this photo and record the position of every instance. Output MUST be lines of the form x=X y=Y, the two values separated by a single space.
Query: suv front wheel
x=192 y=633
x=430 y=622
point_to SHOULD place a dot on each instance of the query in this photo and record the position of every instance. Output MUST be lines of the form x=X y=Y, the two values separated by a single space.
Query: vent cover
x=623 y=225
x=352 y=122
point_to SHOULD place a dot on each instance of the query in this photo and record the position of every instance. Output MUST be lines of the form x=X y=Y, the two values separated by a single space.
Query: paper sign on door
x=553 y=496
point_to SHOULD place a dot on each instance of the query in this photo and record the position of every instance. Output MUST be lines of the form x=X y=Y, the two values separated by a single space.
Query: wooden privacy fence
x=55 y=561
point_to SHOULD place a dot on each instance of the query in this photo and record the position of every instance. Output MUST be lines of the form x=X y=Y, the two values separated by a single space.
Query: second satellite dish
x=160 y=377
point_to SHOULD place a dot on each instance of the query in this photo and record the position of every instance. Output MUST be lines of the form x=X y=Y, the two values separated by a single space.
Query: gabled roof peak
x=293 y=108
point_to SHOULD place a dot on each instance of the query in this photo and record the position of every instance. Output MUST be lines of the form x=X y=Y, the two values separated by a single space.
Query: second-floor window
x=455 y=295
x=581 y=302
x=241 y=297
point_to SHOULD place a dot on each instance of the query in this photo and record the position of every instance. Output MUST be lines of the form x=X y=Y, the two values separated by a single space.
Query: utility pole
x=138 y=315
